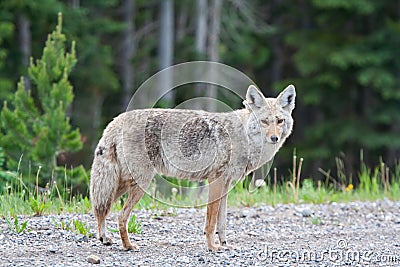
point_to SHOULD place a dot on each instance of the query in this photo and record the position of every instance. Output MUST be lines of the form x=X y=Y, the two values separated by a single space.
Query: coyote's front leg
x=221 y=223
x=213 y=205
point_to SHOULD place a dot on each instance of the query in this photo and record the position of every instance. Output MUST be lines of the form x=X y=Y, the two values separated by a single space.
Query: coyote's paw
x=131 y=247
x=106 y=241
x=226 y=246
x=214 y=248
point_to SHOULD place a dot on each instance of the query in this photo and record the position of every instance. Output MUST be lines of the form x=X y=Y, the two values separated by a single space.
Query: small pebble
x=93 y=259
x=81 y=238
x=52 y=249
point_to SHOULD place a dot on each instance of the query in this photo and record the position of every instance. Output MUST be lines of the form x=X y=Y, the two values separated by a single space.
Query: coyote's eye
x=280 y=121
x=265 y=121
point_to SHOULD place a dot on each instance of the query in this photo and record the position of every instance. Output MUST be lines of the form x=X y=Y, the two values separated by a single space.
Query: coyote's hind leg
x=134 y=195
x=100 y=214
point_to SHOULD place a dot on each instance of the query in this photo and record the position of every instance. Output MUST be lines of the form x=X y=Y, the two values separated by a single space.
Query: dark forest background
x=342 y=56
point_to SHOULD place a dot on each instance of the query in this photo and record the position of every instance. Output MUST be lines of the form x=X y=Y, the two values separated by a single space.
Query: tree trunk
x=128 y=50
x=201 y=26
x=213 y=45
x=181 y=26
x=201 y=42
x=166 y=45
x=25 y=44
x=97 y=106
x=75 y=4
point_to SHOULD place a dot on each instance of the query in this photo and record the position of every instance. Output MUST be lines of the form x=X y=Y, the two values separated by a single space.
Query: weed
x=275 y=185
x=63 y=225
x=113 y=230
x=294 y=185
x=37 y=205
x=316 y=220
x=15 y=226
x=82 y=228
x=74 y=225
x=134 y=225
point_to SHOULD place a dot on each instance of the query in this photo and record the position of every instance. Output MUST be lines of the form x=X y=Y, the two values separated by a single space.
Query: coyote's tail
x=103 y=179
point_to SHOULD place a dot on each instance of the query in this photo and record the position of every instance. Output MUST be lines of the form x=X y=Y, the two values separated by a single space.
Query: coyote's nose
x=274 y=138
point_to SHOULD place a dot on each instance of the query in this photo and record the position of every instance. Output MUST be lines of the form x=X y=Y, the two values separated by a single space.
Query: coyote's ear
x=254 y=98
x=287 y=97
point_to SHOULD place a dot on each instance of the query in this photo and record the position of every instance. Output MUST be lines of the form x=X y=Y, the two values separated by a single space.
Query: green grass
x=134 y=226
x=15 y=226
x=20 y=202
x=63 y=225
x=82 y=228
x=17 y=198
x=375 y=184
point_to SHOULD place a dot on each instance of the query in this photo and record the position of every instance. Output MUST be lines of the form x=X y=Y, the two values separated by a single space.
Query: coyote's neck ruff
x=189 y=144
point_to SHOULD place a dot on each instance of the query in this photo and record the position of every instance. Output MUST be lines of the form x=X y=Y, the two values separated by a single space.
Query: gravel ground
x=336 y=234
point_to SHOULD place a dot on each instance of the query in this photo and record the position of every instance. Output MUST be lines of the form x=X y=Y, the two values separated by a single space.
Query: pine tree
x=348 y=65
x=35 y=128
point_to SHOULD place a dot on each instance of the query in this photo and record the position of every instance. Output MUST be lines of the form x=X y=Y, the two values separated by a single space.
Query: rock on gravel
x=93 y=259
x=336 y=234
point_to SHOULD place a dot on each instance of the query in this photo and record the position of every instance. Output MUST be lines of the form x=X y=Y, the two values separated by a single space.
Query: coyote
x=189 y=144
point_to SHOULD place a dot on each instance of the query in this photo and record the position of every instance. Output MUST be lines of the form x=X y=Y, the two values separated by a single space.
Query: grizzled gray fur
x=187 y=144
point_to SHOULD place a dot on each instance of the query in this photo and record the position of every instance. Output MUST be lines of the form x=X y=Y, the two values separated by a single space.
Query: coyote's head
x=271 y=116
